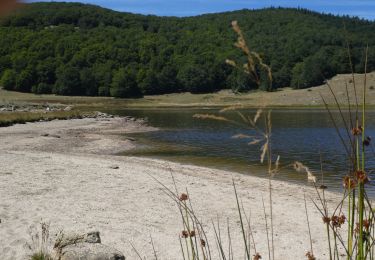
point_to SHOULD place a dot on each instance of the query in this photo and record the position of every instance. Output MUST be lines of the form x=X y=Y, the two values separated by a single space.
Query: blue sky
x=360 y=8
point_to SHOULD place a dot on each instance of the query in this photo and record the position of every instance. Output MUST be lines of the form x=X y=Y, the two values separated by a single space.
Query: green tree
x=124 y=84
x=88 y=82
x=147 y=82
x=167 y=79
x=42 y=88
x=25 y=80
x=46 y=71
x=239 y=81
x=195 y=78
x=68 y=81
x=8 y=80
x=298 y=80
x=5 y=63
x=103 y=74
x=311 y=72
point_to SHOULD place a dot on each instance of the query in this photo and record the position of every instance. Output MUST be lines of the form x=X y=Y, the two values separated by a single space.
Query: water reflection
x=298 y=135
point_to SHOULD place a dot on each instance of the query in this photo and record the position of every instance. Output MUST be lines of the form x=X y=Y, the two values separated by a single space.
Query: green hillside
x=77 y=49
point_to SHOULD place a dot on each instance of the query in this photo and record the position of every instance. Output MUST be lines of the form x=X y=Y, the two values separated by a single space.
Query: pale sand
x=69 y=183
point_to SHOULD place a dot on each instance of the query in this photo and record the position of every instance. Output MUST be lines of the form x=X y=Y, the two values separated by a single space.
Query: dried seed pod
x=361 y=176
x=349 y=183
x=326 y=220
x=357 y=131
x=337 y=221
x=184 y=197
x=184 y=234
x=310 y=256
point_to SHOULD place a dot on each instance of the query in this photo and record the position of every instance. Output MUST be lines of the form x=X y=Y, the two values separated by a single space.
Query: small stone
x=115 y=167
x=93 y=237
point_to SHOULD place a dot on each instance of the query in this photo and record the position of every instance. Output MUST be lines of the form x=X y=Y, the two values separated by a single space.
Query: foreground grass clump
x=40 y=256
x=8 y=119
x=40 y=240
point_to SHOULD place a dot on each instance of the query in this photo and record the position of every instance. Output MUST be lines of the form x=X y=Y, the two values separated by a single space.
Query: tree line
x=78 y=49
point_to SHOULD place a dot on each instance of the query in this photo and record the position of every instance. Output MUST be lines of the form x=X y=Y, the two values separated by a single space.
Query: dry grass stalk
x=254 y=60
x=40 y=245
x=209 y=116
x=300 y=167
x=242 y=136
x=263 y=136
x=231 y=108
x=257 y=115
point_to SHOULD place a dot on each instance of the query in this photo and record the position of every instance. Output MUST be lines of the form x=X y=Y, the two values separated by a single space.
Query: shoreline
x=54 y=171
x=283 y=98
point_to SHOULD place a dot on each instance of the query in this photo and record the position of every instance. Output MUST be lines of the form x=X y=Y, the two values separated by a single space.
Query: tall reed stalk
x=359 y=242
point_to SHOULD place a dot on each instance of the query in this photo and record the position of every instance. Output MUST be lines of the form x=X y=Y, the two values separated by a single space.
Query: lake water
x=297 y=135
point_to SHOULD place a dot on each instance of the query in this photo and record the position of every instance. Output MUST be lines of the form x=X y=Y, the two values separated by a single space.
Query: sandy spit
x=63 y=173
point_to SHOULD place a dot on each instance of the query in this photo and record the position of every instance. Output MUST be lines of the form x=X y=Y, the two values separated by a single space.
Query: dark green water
x=297 y=135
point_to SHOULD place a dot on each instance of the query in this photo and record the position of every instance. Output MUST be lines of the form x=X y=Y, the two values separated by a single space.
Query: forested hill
x=77 y=49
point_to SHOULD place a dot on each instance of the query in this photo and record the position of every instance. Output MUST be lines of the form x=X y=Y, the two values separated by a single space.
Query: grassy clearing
x=10 y=97
x=8 y=119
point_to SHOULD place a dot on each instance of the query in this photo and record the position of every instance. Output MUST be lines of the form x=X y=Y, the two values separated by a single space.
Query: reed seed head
x=299 y=167
x=203 y=243
x=357 y=131
x=349 y=183
x=326 y=220
x=337 y=221
x=366 y=225
x=184 y=234
x=184 y=197
x=310 y=256
x=257 y=256
x=361 y=176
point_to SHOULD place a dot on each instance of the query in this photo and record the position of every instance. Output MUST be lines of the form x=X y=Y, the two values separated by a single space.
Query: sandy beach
x=65 y=173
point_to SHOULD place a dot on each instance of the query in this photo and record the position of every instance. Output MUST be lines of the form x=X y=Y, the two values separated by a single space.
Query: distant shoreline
x=285 y=98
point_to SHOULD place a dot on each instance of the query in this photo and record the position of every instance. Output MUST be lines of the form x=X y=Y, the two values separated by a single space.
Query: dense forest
x=78 y=49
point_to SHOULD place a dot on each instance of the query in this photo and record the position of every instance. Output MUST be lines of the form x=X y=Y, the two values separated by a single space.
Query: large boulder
x=85 y=247
x=90 y=251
